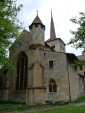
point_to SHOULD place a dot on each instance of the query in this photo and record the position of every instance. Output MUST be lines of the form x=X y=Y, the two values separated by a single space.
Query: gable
x=21 y=43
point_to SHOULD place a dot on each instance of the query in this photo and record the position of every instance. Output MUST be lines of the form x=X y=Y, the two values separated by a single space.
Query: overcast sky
x=63 y=11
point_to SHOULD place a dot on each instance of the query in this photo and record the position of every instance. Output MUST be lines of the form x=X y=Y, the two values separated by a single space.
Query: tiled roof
x=36 y=21
x=55 y=39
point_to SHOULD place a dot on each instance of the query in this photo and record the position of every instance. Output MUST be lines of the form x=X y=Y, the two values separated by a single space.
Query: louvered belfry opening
x=21 y=80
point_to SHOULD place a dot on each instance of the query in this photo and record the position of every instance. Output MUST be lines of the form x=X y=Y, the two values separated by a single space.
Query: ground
x=8 y=107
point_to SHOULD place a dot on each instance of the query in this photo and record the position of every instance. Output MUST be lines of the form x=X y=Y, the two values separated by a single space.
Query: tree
x=79 y=35
x=9 y=26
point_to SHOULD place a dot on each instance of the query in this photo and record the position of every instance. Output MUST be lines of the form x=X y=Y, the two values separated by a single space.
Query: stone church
x=43 y=71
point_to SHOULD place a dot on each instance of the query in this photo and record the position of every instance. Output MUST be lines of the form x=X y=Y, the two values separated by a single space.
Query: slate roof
x=37 y=21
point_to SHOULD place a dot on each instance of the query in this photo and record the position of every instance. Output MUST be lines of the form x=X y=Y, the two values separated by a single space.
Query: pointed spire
x=37 y=21
x=52 y=28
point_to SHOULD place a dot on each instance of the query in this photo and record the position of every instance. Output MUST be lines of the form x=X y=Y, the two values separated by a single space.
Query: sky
x=62 y=10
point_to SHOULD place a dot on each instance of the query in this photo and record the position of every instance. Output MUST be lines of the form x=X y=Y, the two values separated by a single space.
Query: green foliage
x=79 y=36
x=81 y=99
x=9 y=26
x=79 y=63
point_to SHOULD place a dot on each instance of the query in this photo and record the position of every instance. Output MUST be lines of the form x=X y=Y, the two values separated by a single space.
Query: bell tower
x=56 y=43
x=37 y=29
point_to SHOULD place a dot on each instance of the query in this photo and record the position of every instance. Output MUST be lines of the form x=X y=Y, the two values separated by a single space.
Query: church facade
x=43 y=71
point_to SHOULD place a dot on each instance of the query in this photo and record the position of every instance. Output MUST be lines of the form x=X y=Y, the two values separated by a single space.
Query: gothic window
x=52 y=86
x=51 y=64
x=21 y=82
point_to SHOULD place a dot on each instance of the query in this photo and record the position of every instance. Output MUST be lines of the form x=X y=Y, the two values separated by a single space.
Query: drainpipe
x=69 y=82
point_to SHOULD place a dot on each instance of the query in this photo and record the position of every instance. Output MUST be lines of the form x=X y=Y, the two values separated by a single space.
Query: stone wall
x=58 y=73
x=74 y=82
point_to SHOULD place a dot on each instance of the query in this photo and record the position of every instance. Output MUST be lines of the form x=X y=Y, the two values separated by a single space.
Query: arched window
x=52 y=86
x=22 y=61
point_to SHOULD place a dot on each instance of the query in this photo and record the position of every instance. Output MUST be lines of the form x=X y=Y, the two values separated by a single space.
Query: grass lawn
x=22 y=108
x=81 y=99
x=66 y=109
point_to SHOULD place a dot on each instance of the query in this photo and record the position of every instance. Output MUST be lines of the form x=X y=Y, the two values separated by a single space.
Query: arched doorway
x=22 y=62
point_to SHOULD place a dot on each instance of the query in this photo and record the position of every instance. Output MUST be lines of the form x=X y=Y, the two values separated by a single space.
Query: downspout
x=69 y=82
